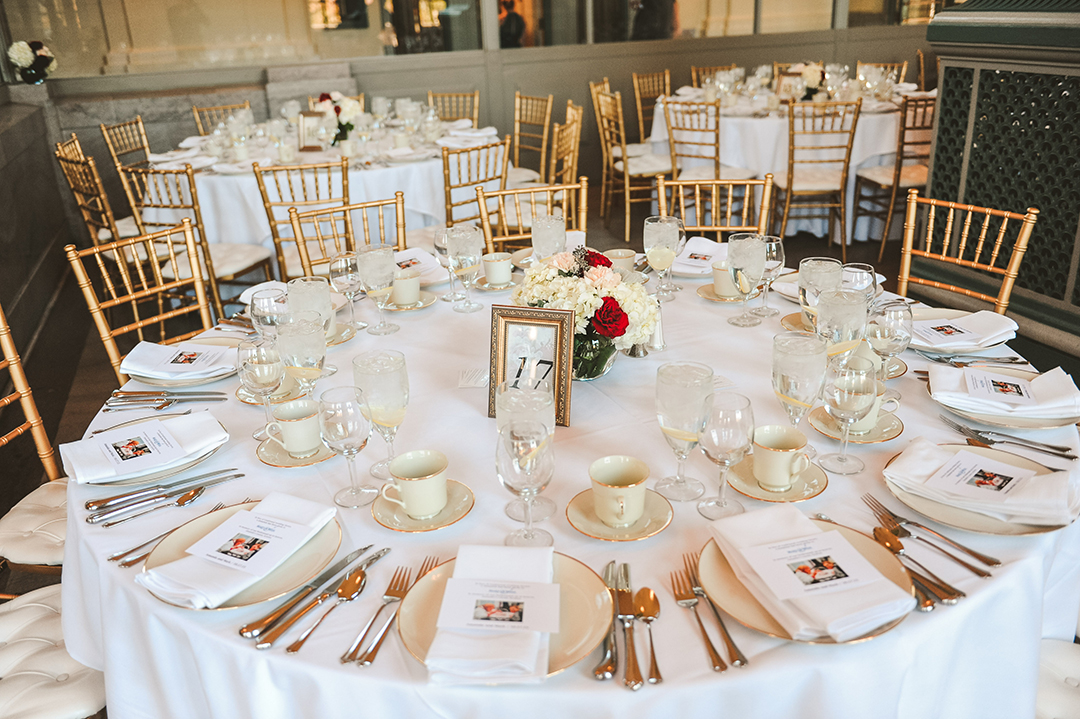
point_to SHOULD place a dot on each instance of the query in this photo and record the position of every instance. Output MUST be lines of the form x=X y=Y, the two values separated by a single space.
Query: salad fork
x=738 y=659
x=376 y=643
x=685 y=598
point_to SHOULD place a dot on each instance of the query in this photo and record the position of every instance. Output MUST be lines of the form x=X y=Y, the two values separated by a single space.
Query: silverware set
x=397 y=589
x=110 y=511
x=644 y=606
x=121 y=400
x=992 y=438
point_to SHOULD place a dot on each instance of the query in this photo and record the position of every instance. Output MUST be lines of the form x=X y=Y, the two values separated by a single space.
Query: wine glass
x=682 y=391
x=774 y=265
x=661 y=238
x=261 y=370
x=841 y=320
x=465 y=245
x=850 y=392
x=746 y=263
x=266 y=309
x=725 y=439
x=345 y=428
x=798 y=374
x=376 y=265
x=521 y=399
x=817 y=274
x=860 y=277
x=302 y=344
x=444 y=260
x=382 y=376
x=524 y=463
x=345 y=278
x=888 y=330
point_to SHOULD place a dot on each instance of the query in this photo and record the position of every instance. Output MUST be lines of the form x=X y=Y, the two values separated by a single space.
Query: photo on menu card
x=243 y=546
x=817 y=570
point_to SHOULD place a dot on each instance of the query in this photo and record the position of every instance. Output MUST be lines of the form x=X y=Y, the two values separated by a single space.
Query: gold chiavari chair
x=70 y=149
x=93 y=202
x=207 y=118
x=126 y=138
x=464 y=169
x=180 y=307
x=694 y=140
x=532 y=124
x=909 y=171
x=634 y=177
x=312 y=101
x=900 y=68
x=922 y=69
x=697 y=74
x=820 y=135
x=951 y=246
x=330 y=231
x=506 y=215
x=574 y=114
x=565 y=147
x=717 y=205
x=647 y=88
x=313 y=186
x=456 y=105
x=171 y=193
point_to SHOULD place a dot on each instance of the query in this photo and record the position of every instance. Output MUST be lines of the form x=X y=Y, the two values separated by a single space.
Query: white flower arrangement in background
x=33 y=60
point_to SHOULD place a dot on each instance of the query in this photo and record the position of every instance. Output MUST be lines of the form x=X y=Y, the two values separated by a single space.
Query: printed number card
x=529 y=345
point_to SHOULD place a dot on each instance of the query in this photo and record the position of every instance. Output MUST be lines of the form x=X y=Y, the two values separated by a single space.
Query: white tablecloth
x=978 y=659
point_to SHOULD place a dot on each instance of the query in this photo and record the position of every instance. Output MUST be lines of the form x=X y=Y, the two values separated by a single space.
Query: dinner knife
x=97 y=517
x=627 y=614
x=609 y=662
x=163 y=393
x=254 y=629
x=96 y=504
x=158 y=399
x=268 y=638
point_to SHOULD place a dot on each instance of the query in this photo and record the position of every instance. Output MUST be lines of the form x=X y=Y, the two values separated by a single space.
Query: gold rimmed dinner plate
x=708 y=292
x=342 y=334
x=305 y=562
x=997 y=420
x=515 y=280
x=965 y=519
x=585 y=612
x=808 y=484
x=459 y=502
x=217 y=341
x=164 y=473
x=581 y=514
x=273 y=454
x=919 y=314
x=728 y=593
x=888 y=427
x=156 y=382
x=794 y=322
x=427 y=299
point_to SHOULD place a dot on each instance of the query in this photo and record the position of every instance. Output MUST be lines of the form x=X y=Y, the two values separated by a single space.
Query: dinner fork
x=877 y=506
x=135 y=560
x=893 y=526
x=1053 y=450
x=950 y=358
x=376 y=643
x=399 y=584
x=737 y=657
x=685 y=598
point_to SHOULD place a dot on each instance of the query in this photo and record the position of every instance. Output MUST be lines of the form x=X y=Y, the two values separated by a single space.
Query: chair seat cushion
x=126 y=227
x=647 y=165
x=910 y=175
x=811 y=179
x=39 y=677
x=521 y=174
x=293 y=266
x=727 y=172
x=229 y=259
x=633 y=149
x=33 y=531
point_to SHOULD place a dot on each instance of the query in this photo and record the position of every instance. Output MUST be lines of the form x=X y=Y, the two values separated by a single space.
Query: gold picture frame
x=308 y=123
x=787 y=84
x=534 y=340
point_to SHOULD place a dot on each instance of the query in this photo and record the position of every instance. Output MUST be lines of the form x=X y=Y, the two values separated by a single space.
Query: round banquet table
x=976 y=659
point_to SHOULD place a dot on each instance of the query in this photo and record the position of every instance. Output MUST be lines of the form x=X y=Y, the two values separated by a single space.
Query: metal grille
x=954 y=104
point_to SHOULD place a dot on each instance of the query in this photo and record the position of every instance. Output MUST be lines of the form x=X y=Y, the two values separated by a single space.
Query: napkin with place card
x=490 y=656
x=194 y=141
x=140 y=449
x=419 y=259
x=981 y=329
x=171 y=155
x=199 y=583
x=866 y=599
x=698 y=255
x=489 y=131
x=988 y=487
x=1050 y=395
x=181 y=361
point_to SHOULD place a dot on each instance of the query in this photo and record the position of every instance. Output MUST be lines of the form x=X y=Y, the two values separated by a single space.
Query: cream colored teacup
x=286 y=152
x=406 y=290
x=296 y=427
x=618 y=489
x=347 y=148
x=497 y=268
x=870 y=421
x=721 y=280
x=419 y=478
x=621 y=258
x=779 y=456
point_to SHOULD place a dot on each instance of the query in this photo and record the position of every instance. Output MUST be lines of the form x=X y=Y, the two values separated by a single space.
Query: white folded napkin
x=684 y=264
x=993 y=328
x=197 y=433
x=194 y=141
x=1055 y=393
x=574 y=240
x=147 y=358
x=197 y=162
x=246 y=295
x=903 y=87
x=399 y=152
x=461 y=143
x=688 y=91
x=198 y=583
x=462 y=124
x=172 y=155
x=919 y=93
x=477 y=656
x=424 y=261
x=1044 y=499
x=489 y=131
x=876 y=106
x=842 y=615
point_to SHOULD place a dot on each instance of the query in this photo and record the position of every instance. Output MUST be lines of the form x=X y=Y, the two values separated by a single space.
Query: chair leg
x=603 y=185
x=888 y=223
x=787 y=208
x=626 y=206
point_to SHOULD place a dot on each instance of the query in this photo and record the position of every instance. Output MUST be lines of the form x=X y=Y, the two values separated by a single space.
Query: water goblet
x=526 y=398
x=266 y=309
x=774 y=265
x=682 y=391
x=302 y=344
x=524 y=464
x=444 y=259
x=661 y=238
x=888 y=330
x=817 y=274
x=345 y=429
x=746 y=263
x=261 y=370
x=377 y=267
x=841 y=320
x=849 y=393
x=312 y=294
x=725 y=439
x=798 y=373
x=465 y=245
x=345 y=278
x=382 y=376
x=860 y=277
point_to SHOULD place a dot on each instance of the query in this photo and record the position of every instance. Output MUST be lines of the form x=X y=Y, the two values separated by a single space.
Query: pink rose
x=602 y=278
x=563 y=261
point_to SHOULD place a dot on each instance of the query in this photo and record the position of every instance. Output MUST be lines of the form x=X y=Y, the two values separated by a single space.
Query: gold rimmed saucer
x=708 y=292
x=795 y=323
x=888 y=427
x=895 y=367
x=342 y=334
x=289 y=391
x=459 y=502
x=515 y=280
x=808 y=484
x=522 y=259
x=581 y=514
x=273 y=454
x=427 y=299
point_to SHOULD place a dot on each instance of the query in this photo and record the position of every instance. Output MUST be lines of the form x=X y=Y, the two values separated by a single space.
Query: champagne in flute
x=524 y=464
x=660 y=238
x=376 y=265
x=261 y=371
x=888 y=330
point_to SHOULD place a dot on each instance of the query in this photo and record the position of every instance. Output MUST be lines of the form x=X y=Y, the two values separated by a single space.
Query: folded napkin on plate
x=1044 y=499
x=1055 y=393
x=197 y=162
x=198 y=583
x=462 y=124
x=992 y=328
x=147 y=359
x=477 y=656
x=842 y=615
x=172 y=155
x=704 y=247
x=461 y=143
x=400 y=152
x=240 y=168
x=194 y=141
x=687 y=90
x=197 y=433
x=246 y=295
x=902 y=87
x=488 y=131
x=422 y=260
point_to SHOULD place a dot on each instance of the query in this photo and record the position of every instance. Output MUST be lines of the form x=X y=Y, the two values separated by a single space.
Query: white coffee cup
x=497 y=268
x=779 y=456
x=406 y=290
x=419 y=477
x=870 y=421
x=623 y=259
x=347 y=147
x=401 y=139
x=286 y=152
x=721 y=280
x=297 y=423
x=618 y=489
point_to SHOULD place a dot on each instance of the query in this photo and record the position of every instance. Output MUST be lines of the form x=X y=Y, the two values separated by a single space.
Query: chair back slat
x=897 y=69
x=532 y=124
x=698 y=74
x=208 y=118
x=504 y=229
x=452 y=106
x=720 y=206
x=647 y=88
x=821 y=134
x=466 y=168
x=326 y=232
x=127 y=138
x=70 y=149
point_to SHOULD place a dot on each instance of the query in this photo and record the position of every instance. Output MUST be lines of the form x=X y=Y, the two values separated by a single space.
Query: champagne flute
x=345 y=428
x=465 y=245
x=816 y=275
x=261 y=370
x=345 y=278
x=888 y=330
x=266 y=309
x=660 y=238
x=682 y=391
x=746 y=263
x=725 y=439
x=382 y=376
x=524 y=464
x=850 y=392
x=774 y=265
x=798 y=374
x=302 y=344
x=376 y=265
x=444 y=260
x=841 y=320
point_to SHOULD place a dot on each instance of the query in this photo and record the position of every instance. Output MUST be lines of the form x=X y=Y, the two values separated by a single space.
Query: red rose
x=337 y=109
x=610 y=320
x=324 y=97
x=595 y=259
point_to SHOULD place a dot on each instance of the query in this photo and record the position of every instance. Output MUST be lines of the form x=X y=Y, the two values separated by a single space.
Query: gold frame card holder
x=533 y=343
x=307 y=126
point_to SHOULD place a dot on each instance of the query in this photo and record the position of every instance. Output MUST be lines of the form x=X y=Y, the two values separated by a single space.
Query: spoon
x=182 y=501
x=945 y=592
x=648 y=610
x=347 y=591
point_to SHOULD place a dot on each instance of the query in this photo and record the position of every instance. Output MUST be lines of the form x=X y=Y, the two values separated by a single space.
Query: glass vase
x=593 y=357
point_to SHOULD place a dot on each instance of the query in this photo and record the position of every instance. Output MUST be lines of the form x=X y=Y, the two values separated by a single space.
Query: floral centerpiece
x=609 y=314
x=344 y=108
x=813 y=74
x=33 y=60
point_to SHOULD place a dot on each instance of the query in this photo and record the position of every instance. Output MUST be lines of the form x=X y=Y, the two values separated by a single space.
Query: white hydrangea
x=21 y=55
x=350 y=109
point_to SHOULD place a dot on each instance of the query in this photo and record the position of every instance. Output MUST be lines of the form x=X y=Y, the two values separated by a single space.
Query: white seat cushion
x=634 y=149
x=910 y=175
x=39 y=677
x=126 y=227
x=33 y=531
x=727 y=172
x=293 y=267
x=1058 y=695
x=647 y=165
x=813 y=179
x=228 y=260
x=521 y=174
